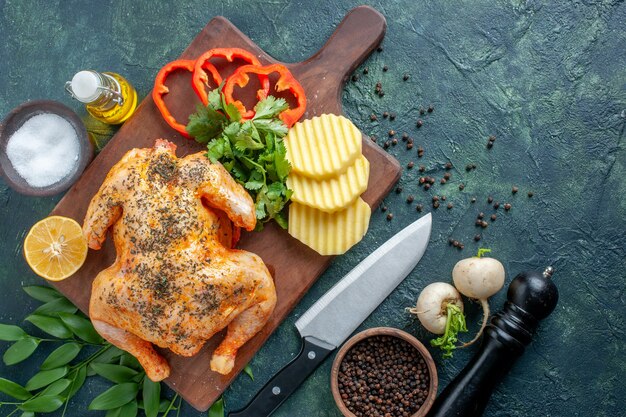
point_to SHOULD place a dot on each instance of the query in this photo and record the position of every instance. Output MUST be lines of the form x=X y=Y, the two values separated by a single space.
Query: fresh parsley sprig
x=252 y=151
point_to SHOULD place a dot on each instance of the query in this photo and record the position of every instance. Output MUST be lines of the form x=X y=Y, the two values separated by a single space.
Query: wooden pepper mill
x=532 y=296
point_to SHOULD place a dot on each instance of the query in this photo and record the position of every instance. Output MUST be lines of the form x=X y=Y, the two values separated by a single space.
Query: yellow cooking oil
x=108 y=96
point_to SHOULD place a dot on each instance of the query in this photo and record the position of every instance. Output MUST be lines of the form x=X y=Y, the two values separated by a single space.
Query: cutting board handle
x=360 y=31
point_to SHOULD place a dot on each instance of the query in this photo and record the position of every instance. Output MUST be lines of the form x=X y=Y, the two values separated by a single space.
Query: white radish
x=440 y=310
x=432 y=306
x=479 y=278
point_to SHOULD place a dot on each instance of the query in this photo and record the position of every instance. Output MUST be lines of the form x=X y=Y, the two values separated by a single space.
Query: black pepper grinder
x=532 y=296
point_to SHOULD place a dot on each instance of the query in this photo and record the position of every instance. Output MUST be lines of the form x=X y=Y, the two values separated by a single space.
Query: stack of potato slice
x=329 y=173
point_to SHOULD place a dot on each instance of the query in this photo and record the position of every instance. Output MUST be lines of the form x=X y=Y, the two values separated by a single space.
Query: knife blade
x=333 y=318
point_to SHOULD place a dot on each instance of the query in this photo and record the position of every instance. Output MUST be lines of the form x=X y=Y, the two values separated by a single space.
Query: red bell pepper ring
x=160 y=89
x=200 y=79
x=286 y=81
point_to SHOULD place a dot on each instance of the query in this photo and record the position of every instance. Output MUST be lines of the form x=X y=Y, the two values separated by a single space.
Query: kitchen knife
x=329 y=322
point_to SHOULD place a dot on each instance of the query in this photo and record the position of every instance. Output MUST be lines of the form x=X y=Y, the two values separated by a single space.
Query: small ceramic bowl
x=385 y=331
x=15 y=119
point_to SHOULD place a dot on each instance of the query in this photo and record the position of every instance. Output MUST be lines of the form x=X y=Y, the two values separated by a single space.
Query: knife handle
x=287 y=380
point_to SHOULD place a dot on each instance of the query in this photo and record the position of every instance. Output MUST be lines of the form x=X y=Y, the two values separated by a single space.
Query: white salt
x=44 y=150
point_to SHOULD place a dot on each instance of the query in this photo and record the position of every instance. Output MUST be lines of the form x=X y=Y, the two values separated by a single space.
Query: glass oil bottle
x=108 y=96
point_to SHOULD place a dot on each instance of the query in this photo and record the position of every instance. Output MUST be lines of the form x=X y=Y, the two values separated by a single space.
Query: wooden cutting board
x=295 y=267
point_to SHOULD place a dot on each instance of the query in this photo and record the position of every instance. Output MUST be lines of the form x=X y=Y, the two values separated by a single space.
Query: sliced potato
x=323 y=147
x=329 y=233
x=332 y=194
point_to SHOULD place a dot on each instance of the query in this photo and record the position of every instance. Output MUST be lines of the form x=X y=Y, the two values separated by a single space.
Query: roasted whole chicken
x=176 y=281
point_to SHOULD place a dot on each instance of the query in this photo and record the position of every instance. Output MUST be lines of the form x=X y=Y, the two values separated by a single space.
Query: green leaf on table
x=248 y=371
x=51 y=325
x=127 y=410
x=42 y=404
x=112 y=372
x=111 y=355
x=217 y=409
x=20 y=350
x=165 y=404
x=43 y=378
x=41 y=293
x=81 y=327
x=27 y=414
x=151 y=397
x=57 y=387
x=61 y=356
x=11 y=333
x=78 y=380
x=54 y=307
x=126 y=359
x=14 y=390
x=116 y=396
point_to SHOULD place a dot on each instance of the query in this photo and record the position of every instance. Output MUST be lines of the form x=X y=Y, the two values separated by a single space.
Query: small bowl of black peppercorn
x=384 y=372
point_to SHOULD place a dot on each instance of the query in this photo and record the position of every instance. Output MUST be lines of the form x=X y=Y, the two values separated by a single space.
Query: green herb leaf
x=274 y=126
x=455 y=323
x=61 y=356
x=57 y=387
x=248 y=371
x=215 y=99
x=270 y=107
x=14 y=390
x=116 y=396
x=11 y=333
x=20 y=350
x=41 y=293
x=114 y=373
x=78 y=380
x=27 y=414
x=81 y=327
x=217 y=409
x=50 y=325
x=127 y=410
x=111 y=355
x=151 y=397
x=54 y=307
x=43 y=378
x=206 y=124
x=130 y=361
x=42 y=404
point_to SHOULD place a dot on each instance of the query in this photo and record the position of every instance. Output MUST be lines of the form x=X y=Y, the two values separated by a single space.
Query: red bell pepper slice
x=200 y=78
x=160 y=89
x=286 y=81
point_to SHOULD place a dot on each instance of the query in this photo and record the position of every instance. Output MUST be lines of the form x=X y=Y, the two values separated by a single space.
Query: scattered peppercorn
x=392 y=116
x=405 y=77
x=477 y=238
x=389 y=216
x=405 y=136
x=443 y=197
x=373 y=138
x=422 y=111
x=447 y=175
x=355 y=78
x=419 y=207
x=431 y=180
x=481 y=215
x=366 y=70
x=507 y=207
x=410 y=165
x=461 y=246
x=473 y=200
x=409 y=146
x=490 y=199
x=443 y=181
x=448 y=165
x=456 y=243
x=530 y=194
x=436 y=204
x=383 y=209
x=386 y=144
x=422 y=180
x=381 y=93
x=373 y=117
x=484 y=224
x=392 y=132
x=431 y=108
x=478 y=222
x=435 y=198
x=426 y=187
x=379 y=49
x=385 y=114
x=383 y=376
x=409 y=140
x=496 y=205
x=419 y=123
x=385 y=68
x=462 y=187
x=398 y=190
x=450 y=205
x=394 y=142
x=422 y=168
x=493 y=217
x=410 y=199
x=450 y=241
x=492 y=138
x=514 y=190
x=379 y=85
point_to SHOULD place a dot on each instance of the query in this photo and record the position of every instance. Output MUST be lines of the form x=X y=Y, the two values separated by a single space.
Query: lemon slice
x=55 y=248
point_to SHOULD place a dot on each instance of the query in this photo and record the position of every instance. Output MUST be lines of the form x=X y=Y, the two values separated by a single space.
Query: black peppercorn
x=419 y=123
x=392 y=132
x=383 y=208
x=490 y=199
x=379 y=49
x=447 y=175
x=431 y=108
x=389 y=216
x=405 y=77
x=443 y=181
x=477 y=238
x=448 y=165
x=461 y=187
x=385 y=114
x=392 y=116
x=398 y=190
x=496 y=205
x=355 y=78
x=419 y=207
x=410 y=165
x=507 y=207
x=450 y=205
x=473 y=200
x=530 y=194
x=405 y=136
x=366 y=70
x=422 y=168
x=394 y=142
x=426 y=187
x=436 y=204
x=373 y=117
x=410 y=199
x=493 y=217
x=409 y=146
x=386 y=144
x=514 y=190
x=481 y=215
x=385 y=68
x=435 y=198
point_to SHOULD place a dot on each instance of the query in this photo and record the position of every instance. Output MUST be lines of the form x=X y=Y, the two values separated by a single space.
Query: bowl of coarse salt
x=44 y=148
